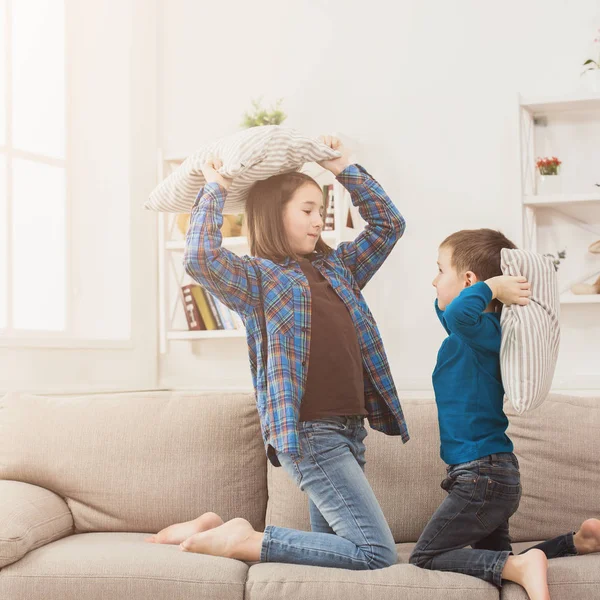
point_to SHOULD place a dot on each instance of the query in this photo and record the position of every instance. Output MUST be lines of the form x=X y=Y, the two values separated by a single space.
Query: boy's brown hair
x=478 y=250
x=264 y=215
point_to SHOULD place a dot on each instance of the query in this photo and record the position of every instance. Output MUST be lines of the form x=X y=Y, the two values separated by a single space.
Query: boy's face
x=448 y=283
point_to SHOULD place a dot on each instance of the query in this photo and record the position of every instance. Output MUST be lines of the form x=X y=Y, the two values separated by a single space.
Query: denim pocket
x=504 y=480
x=326 y=440
x=361 y=433
x=501 y=501
x=291 y=466
x=463 y=479
x=466 y=472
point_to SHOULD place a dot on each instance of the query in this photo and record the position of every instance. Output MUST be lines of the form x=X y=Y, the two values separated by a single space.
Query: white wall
x=430 y=90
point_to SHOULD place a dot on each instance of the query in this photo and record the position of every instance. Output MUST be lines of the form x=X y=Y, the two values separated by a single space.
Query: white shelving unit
x=172 y=276
x=539 y=106
x=205 y=335
x=570 y=207
x=559 y=200
x=571 y=298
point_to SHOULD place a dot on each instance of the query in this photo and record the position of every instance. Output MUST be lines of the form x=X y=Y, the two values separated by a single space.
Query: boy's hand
x=209 y=170
x=510 y=290
x=336 y=165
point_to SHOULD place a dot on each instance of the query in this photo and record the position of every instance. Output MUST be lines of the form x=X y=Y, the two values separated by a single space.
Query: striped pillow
x=248 y=156
x=530 y=334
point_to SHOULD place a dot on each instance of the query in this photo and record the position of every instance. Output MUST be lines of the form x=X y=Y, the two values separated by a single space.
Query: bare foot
x=587 y=539
x=531 y=571
x=234 y=539
x=175 y=534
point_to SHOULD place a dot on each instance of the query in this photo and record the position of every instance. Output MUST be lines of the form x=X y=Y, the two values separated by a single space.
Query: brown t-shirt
x=334 y=382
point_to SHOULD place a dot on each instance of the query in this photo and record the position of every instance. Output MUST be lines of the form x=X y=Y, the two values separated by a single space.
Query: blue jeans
x=482 y=495
x=349 y=530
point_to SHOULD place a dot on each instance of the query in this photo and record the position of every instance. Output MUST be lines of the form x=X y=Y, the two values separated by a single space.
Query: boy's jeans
x=482 y=495
x=349 y=530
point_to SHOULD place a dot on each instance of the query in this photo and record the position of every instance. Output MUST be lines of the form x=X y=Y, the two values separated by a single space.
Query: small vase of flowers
x=548 y=181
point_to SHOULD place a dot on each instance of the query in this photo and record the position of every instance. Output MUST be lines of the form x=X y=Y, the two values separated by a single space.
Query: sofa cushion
x=405 y=478
x=30 y=516
x=558 y=446
x=270 y=581
x=569 y=578
x=97 y=566
x=138 y=461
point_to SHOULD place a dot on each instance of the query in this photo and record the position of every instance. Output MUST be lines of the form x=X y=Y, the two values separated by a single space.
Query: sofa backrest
x=138 y=461
x=558 y=447
x=141 y=461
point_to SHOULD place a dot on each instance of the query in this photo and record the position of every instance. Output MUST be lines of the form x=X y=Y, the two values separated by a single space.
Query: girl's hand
x=510 y=290
x=336 y=165
x=209 y=170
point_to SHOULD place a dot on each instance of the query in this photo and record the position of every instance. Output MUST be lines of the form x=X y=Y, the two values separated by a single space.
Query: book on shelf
x=192 y=314
x=203 y=307
x=325 y=189
x=206 y=312
x=229 y=318
x=354 y=216
x=225 y=315
x=212 y=303
x=329 y=202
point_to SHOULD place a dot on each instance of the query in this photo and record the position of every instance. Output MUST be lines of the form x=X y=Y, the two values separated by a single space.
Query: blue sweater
x=467 y=382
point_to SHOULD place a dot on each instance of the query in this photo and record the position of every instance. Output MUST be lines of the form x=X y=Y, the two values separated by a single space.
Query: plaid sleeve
x=231 y=278
x=386 y=422
x=385 y=225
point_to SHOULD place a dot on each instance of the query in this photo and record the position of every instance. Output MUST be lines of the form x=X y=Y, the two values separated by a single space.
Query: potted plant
x=591 y=73
x=548 y=169
x=260 y=116
x=556 y=259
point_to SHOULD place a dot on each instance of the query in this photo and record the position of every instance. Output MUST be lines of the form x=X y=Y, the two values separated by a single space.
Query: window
x=33 y=180
x=96 y=220
x=66 y=173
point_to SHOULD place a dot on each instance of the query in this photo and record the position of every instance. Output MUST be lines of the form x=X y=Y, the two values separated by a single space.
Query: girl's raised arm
x=231 y=278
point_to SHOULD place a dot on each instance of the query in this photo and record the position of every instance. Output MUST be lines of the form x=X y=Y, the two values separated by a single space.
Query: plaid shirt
x=275 y=298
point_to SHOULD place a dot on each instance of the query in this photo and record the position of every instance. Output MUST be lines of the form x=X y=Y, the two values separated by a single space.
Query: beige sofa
x=84 y=479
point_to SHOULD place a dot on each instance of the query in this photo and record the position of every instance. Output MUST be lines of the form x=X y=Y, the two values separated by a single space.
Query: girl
x=317 y=360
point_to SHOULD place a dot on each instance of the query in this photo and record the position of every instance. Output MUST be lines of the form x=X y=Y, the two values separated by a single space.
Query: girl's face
x=448 y=283
x=303 y=218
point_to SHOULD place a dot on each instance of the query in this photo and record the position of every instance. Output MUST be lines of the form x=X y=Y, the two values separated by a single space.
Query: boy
x=483 y=481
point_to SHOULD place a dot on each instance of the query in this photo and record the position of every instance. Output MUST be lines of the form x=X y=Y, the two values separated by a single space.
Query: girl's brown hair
x=264 y=216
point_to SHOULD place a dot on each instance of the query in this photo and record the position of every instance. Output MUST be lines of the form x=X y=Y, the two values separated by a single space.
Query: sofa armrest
x=30 y=516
